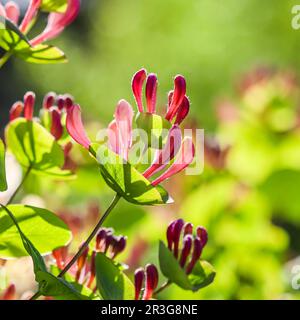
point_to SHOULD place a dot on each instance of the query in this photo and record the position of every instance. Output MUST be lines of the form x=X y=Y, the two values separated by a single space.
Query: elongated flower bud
x=151 y=91
x=197 y=250
x=183 y=111
x=30 y=14
x=151 y=281
x=75 y=126
x=16 y=110
x=183 y=160
x=81 y=262
x=60 y=256
x=186 y=249
x=49 y=100
x=178 y=226
x=60 y=102
x=118 y=246
x=12 y=11
x=202 y=235
x=101 y=240
x=188 y=228
x=56 y=126
x=137 y=87
x=170 y=235
x=29 y=102
x=69 y=101
x=93 y=269
x=177 y=96
x=139 y=276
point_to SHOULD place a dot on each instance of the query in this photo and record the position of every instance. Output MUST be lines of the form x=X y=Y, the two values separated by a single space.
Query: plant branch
x=20 y=185
x=163 y=287
x=5 y=58
x=91 y=236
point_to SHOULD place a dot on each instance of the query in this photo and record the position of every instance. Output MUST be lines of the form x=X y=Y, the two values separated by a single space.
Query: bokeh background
x=241 y=61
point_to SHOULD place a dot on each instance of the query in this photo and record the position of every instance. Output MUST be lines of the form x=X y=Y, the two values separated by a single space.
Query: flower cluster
x=85 y=269
x=191 y=245
x=57 y=22
x=145 y=278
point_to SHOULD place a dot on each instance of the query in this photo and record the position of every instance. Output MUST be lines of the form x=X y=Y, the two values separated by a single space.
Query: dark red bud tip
x=110 y=240
x=49 y=100
x=139 y=276
x=170 y=235
x=197 y=250
x=16 y=110
x=186 y=249
x=56 y=126
x=151 y=91
x=183 y=111
x=151 y=281
x=29 y=102
x=60 y=102
x=9 y=293
x=178 y=226
x=137 y=87
x=202 y=235
x=100 y=240
x=119 y=246
x=188 y=228
x=69 y=101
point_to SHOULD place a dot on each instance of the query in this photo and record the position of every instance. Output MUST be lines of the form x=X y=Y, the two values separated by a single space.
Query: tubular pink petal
x=186 y=249
x=75 y=126
x=30 y=14
x=56 y=126
x=151 y=91
x=165 y=155
x=185 y=158
x=124 y=116
x=139 y=276
x=137 y=87
x=183 y=110
x=12 y=11
x=197 y=250
x=29 y=102
x=57 y=22
x=113 y=137
x=151 y=281
x=16 y=110
x=177 y=97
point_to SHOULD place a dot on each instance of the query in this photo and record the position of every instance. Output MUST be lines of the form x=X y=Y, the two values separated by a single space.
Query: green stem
x=5 y=58
x=163 y=287
x=20 y=185
x=35 y=296
x=91 y=236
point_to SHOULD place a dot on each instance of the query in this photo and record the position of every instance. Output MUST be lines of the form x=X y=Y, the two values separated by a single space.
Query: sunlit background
x=241 y=62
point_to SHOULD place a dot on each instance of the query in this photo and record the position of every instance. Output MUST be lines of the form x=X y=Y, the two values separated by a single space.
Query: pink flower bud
x=12 y=11
x=178 y=226
x=197 y=250
x=139 y=276
x=151 y=91
x=101 y=240
x=16 y=110
x=30 y=14
x=202 y=235
x=60 y=256
x=151 y=281
x=9 y=293
x=56 y=126
x=177 y=96
x=60 y=102
x=183 y=111
x=93 y=269
x=69 y=101
x=29 y=102
x=49 y=100
x=137 y=87
x=188 y=228
x=81 y=263
x=75 y=126
x=183 y=160
x=186 y=249
x=118 y=246
x=170 y=235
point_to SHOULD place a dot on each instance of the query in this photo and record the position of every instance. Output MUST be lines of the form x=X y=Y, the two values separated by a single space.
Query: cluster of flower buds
x=85 y=269
x=53 y=104
x=178 y=103
x=190 y=250
x=145 y=282
x=9 y=293
x=57 y=22
x=120 y=129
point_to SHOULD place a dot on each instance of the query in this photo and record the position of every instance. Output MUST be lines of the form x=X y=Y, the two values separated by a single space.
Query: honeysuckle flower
x=16 y=110
x=192 y=245
x=147 y=277
x=29 y=102
x=178 y=102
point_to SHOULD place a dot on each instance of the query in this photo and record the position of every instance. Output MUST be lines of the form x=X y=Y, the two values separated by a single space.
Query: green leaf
x=127 y=181
x=35 y=147
x=3 y=182
x=155 y=126
x=11 y=38
x=54 y=5
x=112 y=283
x=41 y=226
x=202 y=275
x=42 y=54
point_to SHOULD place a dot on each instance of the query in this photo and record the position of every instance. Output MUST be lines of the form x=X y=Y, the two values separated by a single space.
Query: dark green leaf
x=41 y=226
x=112 y=282
x=127 y=181
x=35 y=147
x=54 y=5
x=3 y=183
x=202 y=275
